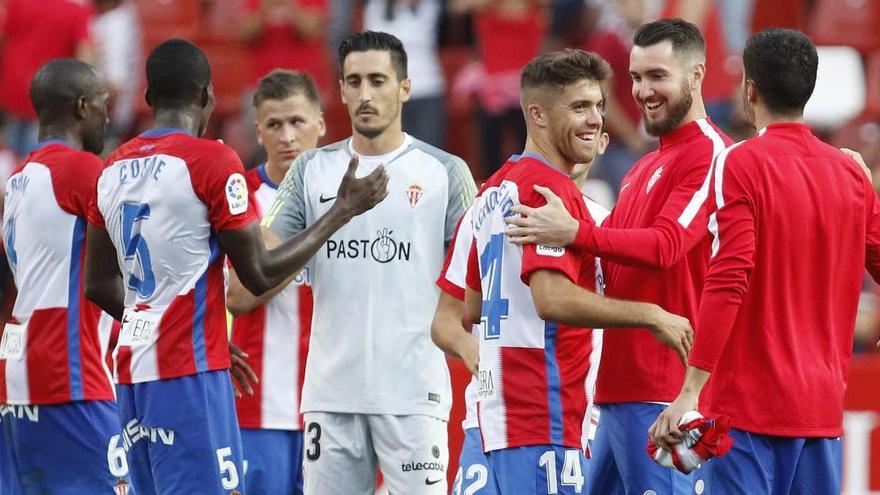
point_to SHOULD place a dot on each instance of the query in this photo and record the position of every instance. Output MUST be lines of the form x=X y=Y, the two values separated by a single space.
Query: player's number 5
x=228 y=471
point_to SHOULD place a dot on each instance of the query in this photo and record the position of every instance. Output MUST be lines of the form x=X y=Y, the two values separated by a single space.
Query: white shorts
x=342 y=452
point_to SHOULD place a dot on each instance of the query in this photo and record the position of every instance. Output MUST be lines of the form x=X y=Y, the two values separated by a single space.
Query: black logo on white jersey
x=384 y=248
x=322 y=199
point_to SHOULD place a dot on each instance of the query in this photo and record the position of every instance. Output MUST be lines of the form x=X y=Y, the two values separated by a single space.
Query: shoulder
x=447 y=159
x=253 y=178
x=330 y=152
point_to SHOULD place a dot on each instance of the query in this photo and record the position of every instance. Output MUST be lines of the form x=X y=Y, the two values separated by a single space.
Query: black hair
x=58 y=85
x=559 y=69
x=281 y=84
x=782 y=63
x=375 y=40
x=177 y=74
x=684 y=36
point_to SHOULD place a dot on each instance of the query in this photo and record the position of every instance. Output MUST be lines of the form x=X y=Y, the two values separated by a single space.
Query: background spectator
x=118 y=46
x=34 y=32
x=416 y=23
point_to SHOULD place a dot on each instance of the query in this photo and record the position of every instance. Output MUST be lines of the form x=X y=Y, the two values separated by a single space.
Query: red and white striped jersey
x=52 y=351
x=452 y=281
x=275 y=336
x=531 y=388
x=162 y=197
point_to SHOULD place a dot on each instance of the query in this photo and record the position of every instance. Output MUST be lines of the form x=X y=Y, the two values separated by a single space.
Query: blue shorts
x=272 y=461
x=538 y=470
x=181 y=435
x=619 y=462
x=61 y=449
x=474 y=476
x=764 y=465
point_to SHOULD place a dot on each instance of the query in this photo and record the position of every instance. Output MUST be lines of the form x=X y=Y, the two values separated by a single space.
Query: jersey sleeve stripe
x=719 y=196
x=699 y=198
x=73 y=309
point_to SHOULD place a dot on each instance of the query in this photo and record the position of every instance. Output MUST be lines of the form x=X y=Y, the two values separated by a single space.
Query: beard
x=675 y=113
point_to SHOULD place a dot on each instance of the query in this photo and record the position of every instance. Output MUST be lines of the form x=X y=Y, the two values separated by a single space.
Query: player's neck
x=61 y=133
x=764 y=117
x=275 y=172
x=176 y=119
x=384 y=143
x=697 y=112
x=553 y=157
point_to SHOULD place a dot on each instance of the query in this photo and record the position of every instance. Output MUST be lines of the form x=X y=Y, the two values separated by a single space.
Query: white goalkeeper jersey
x=373 y=281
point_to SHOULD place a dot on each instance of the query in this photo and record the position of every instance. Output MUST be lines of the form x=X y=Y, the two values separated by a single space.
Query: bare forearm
x=694 y=381
x=239 y=300
x=447 y=334
x=583 y=308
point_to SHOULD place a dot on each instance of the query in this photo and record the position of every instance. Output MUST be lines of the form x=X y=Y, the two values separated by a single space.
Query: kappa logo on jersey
x=555 y=252
x=383 y=249
x=135 y=432
x=654 y=178
x=236 y=194
x=414 y=194
x=31 y=413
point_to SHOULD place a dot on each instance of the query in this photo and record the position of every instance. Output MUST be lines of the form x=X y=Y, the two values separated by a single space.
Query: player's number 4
x=571 y=474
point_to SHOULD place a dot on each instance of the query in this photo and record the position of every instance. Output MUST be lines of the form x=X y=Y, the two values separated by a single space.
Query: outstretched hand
x=356 y=196
x=549 y=225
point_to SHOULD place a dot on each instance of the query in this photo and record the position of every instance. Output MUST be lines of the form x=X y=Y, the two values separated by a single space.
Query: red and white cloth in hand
x=704 y=438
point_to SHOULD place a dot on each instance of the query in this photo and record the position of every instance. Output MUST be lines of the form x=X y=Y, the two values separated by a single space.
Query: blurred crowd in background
x=464 y=61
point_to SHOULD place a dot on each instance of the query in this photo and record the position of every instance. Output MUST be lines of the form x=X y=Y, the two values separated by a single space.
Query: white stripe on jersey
x=699 y=197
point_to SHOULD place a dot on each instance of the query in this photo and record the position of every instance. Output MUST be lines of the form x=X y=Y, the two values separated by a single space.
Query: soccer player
x=538 y=302
x=655 y=247
x=376 y=389
x=273 y=329
x=168 y=205
x=448 y=333
x=59 y=416
x=795 y=223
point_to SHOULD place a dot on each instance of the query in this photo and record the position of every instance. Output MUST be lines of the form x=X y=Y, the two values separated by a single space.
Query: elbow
x=256 y=285
x=437 y=333
x=235 y=306
x=546 y=308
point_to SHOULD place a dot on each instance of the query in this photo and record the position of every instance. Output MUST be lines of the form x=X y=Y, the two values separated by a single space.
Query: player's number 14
x=571 y=474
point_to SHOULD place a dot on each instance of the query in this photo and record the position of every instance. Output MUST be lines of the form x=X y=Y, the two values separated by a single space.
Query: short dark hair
x=57 y=86
x=561 y=68
x=684 y=36
x=376 y=40
x=177 y=73
x=281 y=84
x=782 y=63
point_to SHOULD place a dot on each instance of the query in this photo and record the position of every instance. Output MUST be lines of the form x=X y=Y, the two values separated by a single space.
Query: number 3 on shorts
x=228 y=471
x=313 y=452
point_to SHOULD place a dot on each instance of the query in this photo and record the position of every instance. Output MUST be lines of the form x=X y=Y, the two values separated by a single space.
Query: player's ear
x=405 y=89
x=81 y=104
x=604 y=139
x=258 y=132
x=536 y=114
x=322 y=127
x=698 y=73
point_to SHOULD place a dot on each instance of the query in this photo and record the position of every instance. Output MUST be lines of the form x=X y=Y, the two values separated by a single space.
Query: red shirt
x=509 y=43
x=35 y=32
x=280 y=46
x=797 y=223
x=655 y=249
x=540 y=367
x=61 y=359
x=275 y=336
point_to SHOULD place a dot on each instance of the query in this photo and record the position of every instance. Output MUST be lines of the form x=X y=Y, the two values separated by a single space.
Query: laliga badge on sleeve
x=139 y=327
x=13 y=342
x=236 y=194
x=555 y=252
